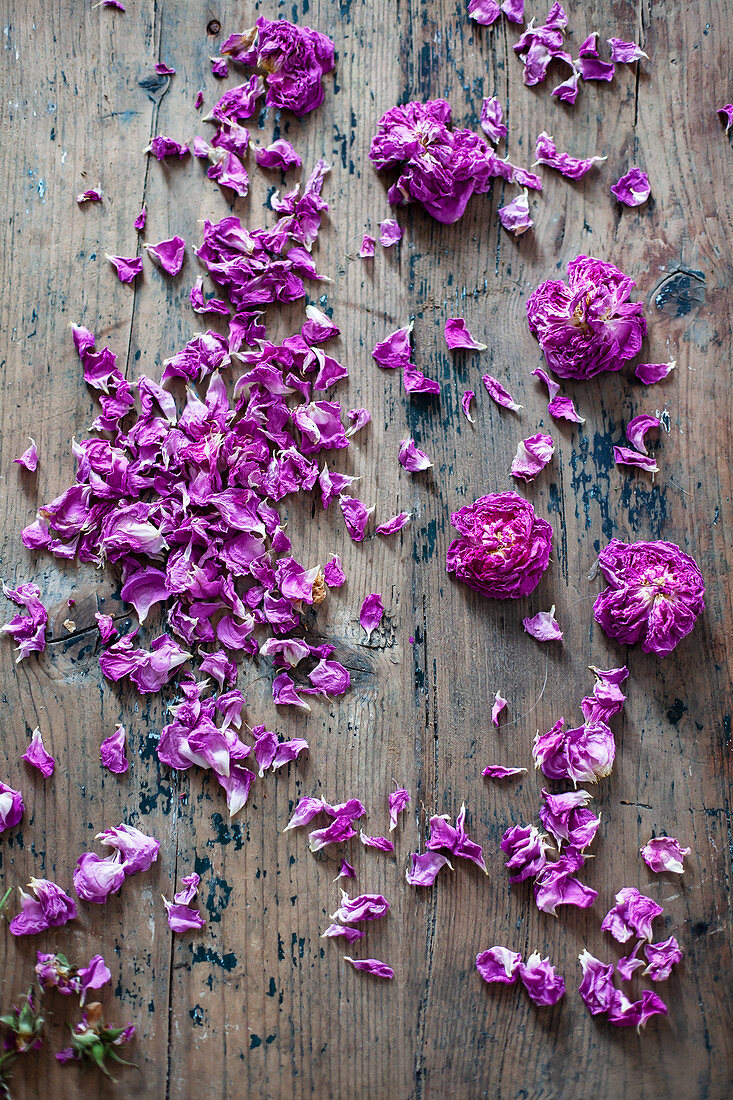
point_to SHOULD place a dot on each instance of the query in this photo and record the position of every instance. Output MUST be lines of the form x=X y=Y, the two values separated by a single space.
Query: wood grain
x=258 y=1004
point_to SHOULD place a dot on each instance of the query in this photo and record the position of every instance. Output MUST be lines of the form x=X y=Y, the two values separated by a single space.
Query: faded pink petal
x=633 y=188
x=412 y=458
x=499 y=964
x=371 y=613
x=625 y=53
x=466 y=400
x=591 y=68
x=632 y=915
x=415 y=381
x=371 y=966
x=492 y=120
x=112 y=751
x=538 y=977
x=360 y=908
x=366 y=252
x=92 y=195
x=532 y=456
x=424 y=868
x=356 y=516
x=497 y=708
x=380 y=842
x=458 y=336
x=398 y=801
x=389 y=233
x=543 y=626
x=338 y=930
x=126 y=267
x=140 y=220
x=395 y=350
x=333 y=573
x=37 y=757
x=497 y=771
x=394 y=524
x=29 y=459
x=498 y=394
x=169 y=254
x=664 y=853
x=649 y=373
x=515 y=216
x=661 y=957
x=280 y=154
x=637 y=428
x=574 y=168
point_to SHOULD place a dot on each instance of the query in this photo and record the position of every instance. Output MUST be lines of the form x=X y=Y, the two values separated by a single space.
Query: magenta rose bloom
x=442 y=168
x=588 y=324
x=654 y=596
x=503 y=549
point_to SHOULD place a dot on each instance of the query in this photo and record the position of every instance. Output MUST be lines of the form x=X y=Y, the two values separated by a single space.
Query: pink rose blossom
x=503 y=548
x=587 y=325
x=654 y=596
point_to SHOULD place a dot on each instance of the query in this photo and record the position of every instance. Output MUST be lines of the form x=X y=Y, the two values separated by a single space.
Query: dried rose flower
x=503 y=547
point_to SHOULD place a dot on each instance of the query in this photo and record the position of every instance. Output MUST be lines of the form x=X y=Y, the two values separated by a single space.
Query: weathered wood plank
x=258 y=1004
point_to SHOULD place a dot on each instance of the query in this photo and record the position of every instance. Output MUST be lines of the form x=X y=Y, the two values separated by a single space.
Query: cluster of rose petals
x=442 y=168
x=532 y=456
x=486 y=12
x=412 y=458
x=458 y=336
x=574 y=168
x=292 y=59
x=538 y=46
x=341 y=828
x=526 y=846
x=515 y=216
x=654 y=596
x=149 y=669
x=567 y=817
x=11 y=807
x=112 y=752
x=182 y=916
x=544 y=626
x=371 y=966
x=455 y=838
x=664 y=853
x=499 y=393
x=503 y=547
x=29 y=459
x=559 y=406
x=588 y=324
x=28 y=627
x=50 y=908
x=633 y=188
x=584 y=754
x=537 y=975
x=37 y=756
x=55 y=972
x=133 y=851
x=602 y=998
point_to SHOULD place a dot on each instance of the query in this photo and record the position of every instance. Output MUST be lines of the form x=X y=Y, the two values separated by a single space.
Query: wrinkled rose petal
x=415 y=381
x=625 y=52
x=499 y=964
x=484 y=12
x=356 y=516
x=455 y=838
x=503 y=547
x=492 y=117
x=632 y=915
x=140 y=220
x=424 y=868
x=567 y=90
x=11 y=807
x=458 y=336
x=624 y=456
x=395 y=350
x=567 y=817
x=498 y=706
x=366 y=248
x=162 y=147
x=92 y=195
x=398 y=801
x=169 y=254
x=532 y=456
x=371 y=613
x=592 y=68
x=515 y=216
x=50 y=908
x=526 y=846
x=28 y=627
x=633 y=188
x=112 y=751
x=280 y=154
x=360 y=908
x=544 y=626
x=466 y=400
x=597 y=988
x=544 y=986
x=649 y=373
x=333 y=573
x=127 y=268
x=348 y=933
x=587 y=325
x=497 y=771
x=371 y=966
x=498 y=394
x=29 y=459
x=664 y=853
x=394 y=524
x=637 y=428
x=37 y=756
x=661 y=958
x=624 y=1013
x=183 y=918
x=654 y=596
x=412 y=458
x=556 y=885
x=138 y=850
x=380 y=842
x=389 y=233
x=726 y=113
x=573 y=167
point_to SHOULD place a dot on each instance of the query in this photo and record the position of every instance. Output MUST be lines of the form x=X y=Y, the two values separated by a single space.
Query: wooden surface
x=257 y=1004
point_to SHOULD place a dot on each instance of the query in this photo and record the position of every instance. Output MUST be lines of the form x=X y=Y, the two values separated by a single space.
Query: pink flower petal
x=366 y=252
x=499 y=964
x=625 y=53
x=497 y=771
x=127 y=268
x=498 y=394
x=624 y=456
x=497 y=708
x=169 y=254
x=412 y=458
x=515 y=216
x=492 y=122
x=112 y=751
x=637 y=428
x=649 y=373
x=371 y=613
x=574 y=168
x=664 y=853
x=424 y=868
x=37 y=757
x=532 y=456
x=371 y=966
x=466 y=400
x=396 y=523
x=389 y=233
x=458 y=336
x=395 y=350
x=380 y=842
x=543 y=626
x=29 y=459
x=633 y=188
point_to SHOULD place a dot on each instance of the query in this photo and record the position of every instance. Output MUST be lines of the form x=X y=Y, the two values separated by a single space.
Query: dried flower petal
x=380 y=842
x=664 y=853
x=360 y=908
x=398 y=801
x=37 y=756
x=498 y=394
x=371 y=613
x=633 y=188
x=348 y=933
x=532 y=456
x=597 y=988
x=371 y=966
x=591 y=68
x=11 y=807
x=624 y=456
x=424 y=868
x=169 y=254
x=491 y=120
x=497 y=771
x=458 y=336
x=29 y=459
x=162 y=147
x=543 y=626
x=625 y=53
x=637 y=428
x=140 y=220
x=412 y=458
x=389 y=233
x=632 y=915
x=127 y=268
x=466 y=400
x=572 y=167
x=726 y=113
x=543 y=984
x=50 y=908
x=515 y=216
x=280 y=154
x=395 y=350
x=92 y=195
x=366 y=248
x=333 y=573
x=556 y=885
x=356 y=516
x=394 y=524
x=526 y=846
x=661 y=958
x=498 y=706
x=112 y=751
x=649 y=373
x=415 y=381
x=499 y=964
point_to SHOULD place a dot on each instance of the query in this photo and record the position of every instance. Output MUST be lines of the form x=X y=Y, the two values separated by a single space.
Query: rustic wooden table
x=257 y=1004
